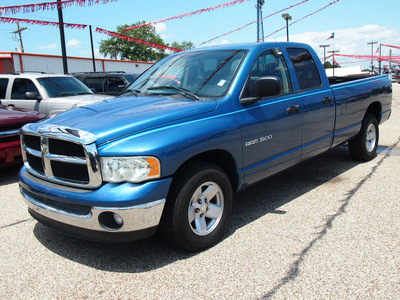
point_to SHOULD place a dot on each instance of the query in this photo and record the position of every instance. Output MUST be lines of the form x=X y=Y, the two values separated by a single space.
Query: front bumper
x=10 y=152
x=90 y=214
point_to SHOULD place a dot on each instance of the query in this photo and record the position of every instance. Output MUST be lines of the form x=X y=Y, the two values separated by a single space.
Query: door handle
x=327 y=100
x=293 y=109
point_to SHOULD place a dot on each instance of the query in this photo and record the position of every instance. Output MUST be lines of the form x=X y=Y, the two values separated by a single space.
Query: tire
x=198 y=207
x=365 y=145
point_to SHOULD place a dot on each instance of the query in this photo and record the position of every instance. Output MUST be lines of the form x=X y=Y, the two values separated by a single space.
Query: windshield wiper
x=184 y=91
x=64 y=95
x=84 y=93
x=129 y=92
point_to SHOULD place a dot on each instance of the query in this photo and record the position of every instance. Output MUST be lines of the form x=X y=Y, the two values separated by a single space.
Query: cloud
x=166 y=37
x=216 y=43
x=48 y=47
x=351 y=41
x=160 y=27
x=74 y=43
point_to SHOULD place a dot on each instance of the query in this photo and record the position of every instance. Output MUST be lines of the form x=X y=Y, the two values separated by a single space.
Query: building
x=16 y=62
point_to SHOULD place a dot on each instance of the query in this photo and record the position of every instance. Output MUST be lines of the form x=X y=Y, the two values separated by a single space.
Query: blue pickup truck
x=168 y=154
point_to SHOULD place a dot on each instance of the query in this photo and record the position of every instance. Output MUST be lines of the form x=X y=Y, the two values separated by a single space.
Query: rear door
x=317 y=103
x=271 y=127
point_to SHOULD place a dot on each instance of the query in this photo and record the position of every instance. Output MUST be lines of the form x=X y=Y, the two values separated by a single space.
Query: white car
x=46 y=93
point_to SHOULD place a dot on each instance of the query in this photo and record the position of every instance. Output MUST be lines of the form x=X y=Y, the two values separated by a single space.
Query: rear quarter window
x=306 y=70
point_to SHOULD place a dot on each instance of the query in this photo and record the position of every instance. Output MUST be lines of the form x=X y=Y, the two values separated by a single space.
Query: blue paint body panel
x=261 y=138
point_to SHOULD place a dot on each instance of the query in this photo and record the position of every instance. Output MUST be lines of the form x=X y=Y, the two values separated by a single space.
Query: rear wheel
x=365 y=145
x=198 y=207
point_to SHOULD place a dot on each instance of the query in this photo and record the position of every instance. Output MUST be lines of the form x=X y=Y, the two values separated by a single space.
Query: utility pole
x=62 y=36
x=20 y=36
x=324 y=46
x=372 y=54
x=260 y=25
x=333 y=60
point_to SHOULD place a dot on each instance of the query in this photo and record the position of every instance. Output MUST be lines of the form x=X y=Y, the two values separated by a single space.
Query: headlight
x=132 y=169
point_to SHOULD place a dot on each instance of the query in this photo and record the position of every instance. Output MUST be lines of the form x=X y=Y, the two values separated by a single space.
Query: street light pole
x=324 y=46
x=372 y=54
x=287 y=17
x=333 y=60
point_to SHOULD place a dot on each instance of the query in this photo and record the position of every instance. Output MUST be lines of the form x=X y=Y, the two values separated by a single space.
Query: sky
x=354 y=22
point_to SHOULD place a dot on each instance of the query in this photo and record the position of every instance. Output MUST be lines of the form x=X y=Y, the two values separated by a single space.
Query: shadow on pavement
x=9 y=174
x=250 y=204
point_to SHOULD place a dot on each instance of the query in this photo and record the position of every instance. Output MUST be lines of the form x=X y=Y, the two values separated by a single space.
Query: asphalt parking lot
x=327 y=229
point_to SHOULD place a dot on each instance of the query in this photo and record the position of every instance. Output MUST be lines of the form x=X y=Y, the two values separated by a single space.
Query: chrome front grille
x=62 y=155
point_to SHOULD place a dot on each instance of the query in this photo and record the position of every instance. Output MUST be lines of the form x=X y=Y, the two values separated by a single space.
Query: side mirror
x=32 y=96
x=267 y=86
x=264 y=87
x=121 y=87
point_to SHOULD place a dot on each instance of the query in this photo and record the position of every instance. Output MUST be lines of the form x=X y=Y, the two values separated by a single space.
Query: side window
x=21 y=86
x=3 y=87
x=269 y=63
x=114 y=83
x=95 y=83
x=305 y=68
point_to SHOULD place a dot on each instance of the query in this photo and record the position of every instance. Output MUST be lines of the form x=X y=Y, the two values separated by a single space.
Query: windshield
x=199 y=74
x=131 y=77
x=63 y=86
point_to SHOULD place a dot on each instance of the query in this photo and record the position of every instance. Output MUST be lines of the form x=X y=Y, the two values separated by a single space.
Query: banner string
x=38 y=22
x=197 y=12
x=317 y=11
x=251 y=23
x=131 y=39
x=29 y=8
x=391 y=46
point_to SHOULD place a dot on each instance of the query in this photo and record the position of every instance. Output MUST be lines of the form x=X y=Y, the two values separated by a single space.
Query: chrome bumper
x=135 y=218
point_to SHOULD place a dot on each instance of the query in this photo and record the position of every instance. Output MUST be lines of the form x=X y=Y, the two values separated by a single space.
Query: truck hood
x=113 y=119
x=15 y=117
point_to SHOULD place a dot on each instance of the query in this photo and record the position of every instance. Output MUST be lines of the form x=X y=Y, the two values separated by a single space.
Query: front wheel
x=198 y=207
x=365 y=145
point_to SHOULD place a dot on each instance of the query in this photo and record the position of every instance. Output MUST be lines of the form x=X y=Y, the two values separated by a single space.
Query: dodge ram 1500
x=196 y=127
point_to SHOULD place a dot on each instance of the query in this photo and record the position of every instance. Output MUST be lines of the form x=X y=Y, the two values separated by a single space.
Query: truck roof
x=32 y=75
x=251 y=46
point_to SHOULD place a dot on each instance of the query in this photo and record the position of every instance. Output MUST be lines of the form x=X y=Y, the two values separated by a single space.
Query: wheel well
x=222 y=159
x=375 y=109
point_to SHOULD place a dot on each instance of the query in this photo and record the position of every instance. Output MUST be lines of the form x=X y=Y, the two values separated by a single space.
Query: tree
x=116 y=47
x=328 y=65
x=185 y=45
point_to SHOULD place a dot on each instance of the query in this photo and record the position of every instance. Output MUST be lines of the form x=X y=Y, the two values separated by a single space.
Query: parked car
x=46 y=93
x=11 y=120
x=168 y=154
x=109 y=83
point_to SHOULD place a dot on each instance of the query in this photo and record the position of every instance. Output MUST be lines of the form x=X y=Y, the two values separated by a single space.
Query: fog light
x=118 y=219
x=110 y=221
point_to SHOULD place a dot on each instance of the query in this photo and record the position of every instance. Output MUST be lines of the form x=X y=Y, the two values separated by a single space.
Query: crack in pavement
x=16 y=223
x=293 y=271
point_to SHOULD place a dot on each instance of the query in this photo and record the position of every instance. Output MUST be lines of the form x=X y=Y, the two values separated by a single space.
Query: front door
x=272 y=127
